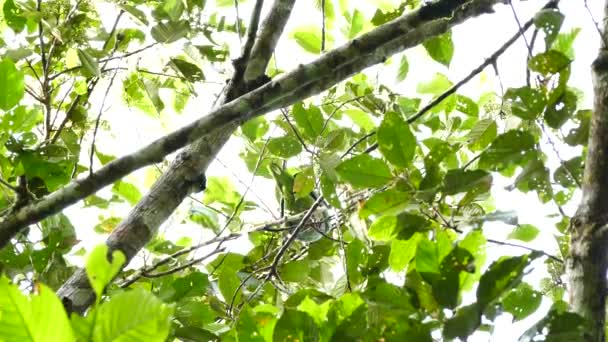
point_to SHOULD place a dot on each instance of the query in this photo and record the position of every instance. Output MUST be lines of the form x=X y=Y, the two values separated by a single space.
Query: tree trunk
x=588 y=260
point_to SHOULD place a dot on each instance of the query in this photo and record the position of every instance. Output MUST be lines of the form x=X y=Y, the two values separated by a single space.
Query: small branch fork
x=146 y=272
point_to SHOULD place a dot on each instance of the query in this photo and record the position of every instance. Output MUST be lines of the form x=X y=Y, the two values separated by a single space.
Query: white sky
x=474 y=41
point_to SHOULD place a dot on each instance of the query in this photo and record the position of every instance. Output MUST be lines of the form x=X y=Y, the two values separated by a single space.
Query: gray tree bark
x=586 y=267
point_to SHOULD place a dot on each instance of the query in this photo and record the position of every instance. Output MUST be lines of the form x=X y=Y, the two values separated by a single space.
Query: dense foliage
x=388 y=193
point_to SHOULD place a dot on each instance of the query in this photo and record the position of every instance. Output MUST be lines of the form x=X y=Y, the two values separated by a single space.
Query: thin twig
x=98 y=120
x=322 y=25
x=168 y=259
x=295 y=131
x=103 y=60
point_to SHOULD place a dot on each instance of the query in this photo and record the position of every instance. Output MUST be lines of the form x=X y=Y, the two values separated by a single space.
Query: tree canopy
x=281 y=170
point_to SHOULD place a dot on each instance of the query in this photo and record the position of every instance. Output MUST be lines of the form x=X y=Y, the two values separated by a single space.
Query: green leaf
x=467 y=106
x=135 y=315
x=135 y=13
x=284 y=147
x=459 y=180
x=507 y=149
x=304 y=183
x=404 y=67
x=11 y=83
x=550 y=21
x=309 y=38
x=550 y=62
x=100 y=270
x=194 y=334
x=526 y=103
x=427 y=259
x=229 y=282
x=41 y=317
x=464 y=323
x=170 y=31
x=565 y=41
x=190 y=71
x=502 y=276
x=364 y=171
x=558 y=325
x=388 y=202
x=173 y=8
x=570 y=173
x=295 y=271
x=328 y=189
x=524 y=232
x=221 y=190
x=560 y=111
x=440 y=48
x=89 y=64
x=143 y=95
x=395 y=140
x=255 y=128
x=384 y=228
x=402 y=252
x=522 y=301
x=361 y=119
x=356 y=24
x=296 y=326
x=482 y=134
x=309 y=120
x=127 y=191
x=439 y=84
x=13 y=16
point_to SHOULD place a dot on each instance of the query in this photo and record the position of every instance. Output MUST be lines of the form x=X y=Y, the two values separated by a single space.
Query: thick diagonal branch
x=333 y=67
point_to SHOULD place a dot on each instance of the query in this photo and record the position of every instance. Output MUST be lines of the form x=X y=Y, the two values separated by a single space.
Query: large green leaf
x=524 y=232
x=100 y=270
x=285 y=147
x=506 y=149
x=550 y=21
x=395 y=140
x=440 y=48
x=170 y=31
x=526 y=103
x=364 y=171
x=89 y=64
x=482 y=134
x=459 y=180
x=522 y=301
x=384 y=228
x=402 y=252
x=295 y=325
x=135 y=315
x=190 y=71
x=39 y=318
x=309 y=38
x=11 y=83
x=550 y=62
x=466 y=320
x=502 y=276
x=310 y=120
x=255 y=129
x=386 y=202
x=560 y=111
